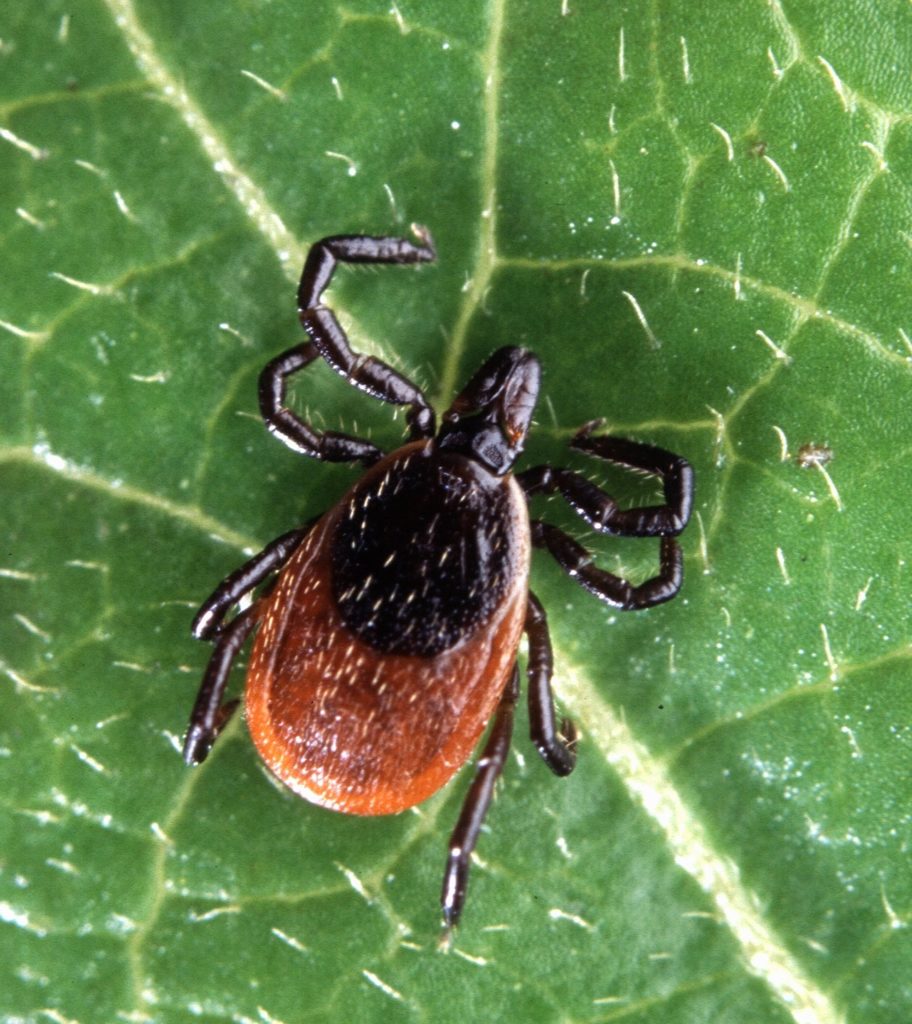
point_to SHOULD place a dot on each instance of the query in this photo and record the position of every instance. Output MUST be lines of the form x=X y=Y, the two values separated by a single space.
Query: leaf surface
x=699 y=217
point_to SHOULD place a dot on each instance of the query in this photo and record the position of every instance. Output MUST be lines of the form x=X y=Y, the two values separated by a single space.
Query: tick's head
x=489 y=419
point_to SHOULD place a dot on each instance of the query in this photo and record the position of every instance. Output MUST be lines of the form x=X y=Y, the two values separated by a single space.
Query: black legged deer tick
x=390 y=637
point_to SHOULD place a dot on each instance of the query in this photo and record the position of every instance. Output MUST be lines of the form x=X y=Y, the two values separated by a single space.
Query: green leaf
x=699 y=217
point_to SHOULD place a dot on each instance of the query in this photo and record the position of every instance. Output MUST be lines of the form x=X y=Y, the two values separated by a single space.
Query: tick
x=388 y=638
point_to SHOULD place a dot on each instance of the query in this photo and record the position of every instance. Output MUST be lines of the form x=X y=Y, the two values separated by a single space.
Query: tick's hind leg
x=476 y=804
x=210 y=714
x=329 y=341
x=557 y=747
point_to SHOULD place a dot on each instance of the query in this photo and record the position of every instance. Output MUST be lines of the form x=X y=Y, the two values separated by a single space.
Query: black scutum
x=422 y=553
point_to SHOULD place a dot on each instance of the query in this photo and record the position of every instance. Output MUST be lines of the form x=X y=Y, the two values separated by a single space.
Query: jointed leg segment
x=675 y=472
x=210 y=714
x=576 y=561
x=476 y=804
x=602 y=512
x=287 y=426
x=328 y=340
x=209 y=621
x=557 y=748
x=599 y=509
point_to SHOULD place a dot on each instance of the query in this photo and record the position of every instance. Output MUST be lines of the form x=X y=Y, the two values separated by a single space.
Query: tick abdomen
x=364 y=700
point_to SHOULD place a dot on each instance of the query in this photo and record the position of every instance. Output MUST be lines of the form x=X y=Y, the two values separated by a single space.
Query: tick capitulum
x=389 y=639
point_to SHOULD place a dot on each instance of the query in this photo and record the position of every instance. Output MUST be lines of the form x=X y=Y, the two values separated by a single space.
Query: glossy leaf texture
x=700 y=217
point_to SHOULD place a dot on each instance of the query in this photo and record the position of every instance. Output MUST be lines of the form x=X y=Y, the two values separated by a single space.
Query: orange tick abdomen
x=350 y=699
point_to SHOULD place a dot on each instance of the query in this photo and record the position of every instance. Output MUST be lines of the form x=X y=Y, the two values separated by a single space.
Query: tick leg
x=209 y=620
x=210 y=715
x=557 y=748
x=599 y=509
x=328 y=340
x=287 y=426
x=576 y=561
x=476 y=804
x=324 y=255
